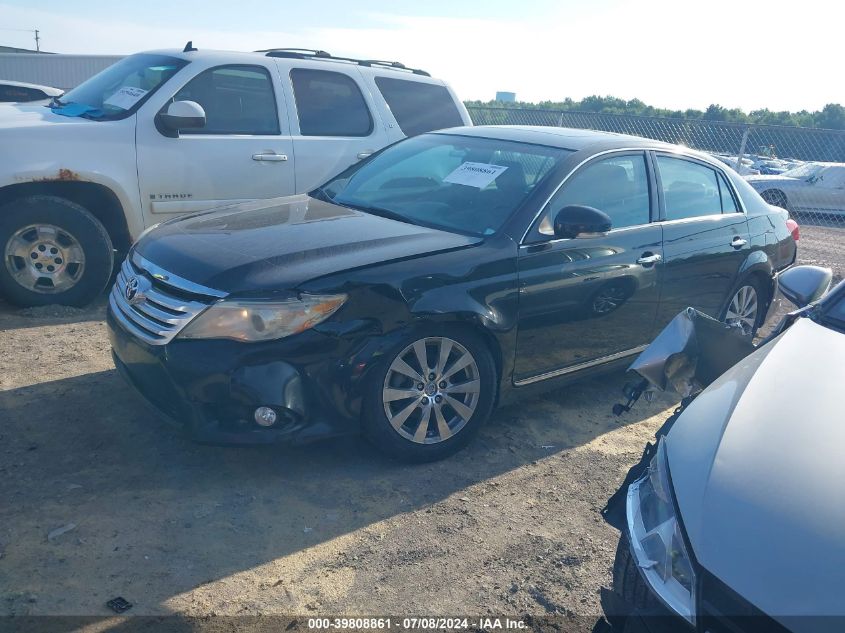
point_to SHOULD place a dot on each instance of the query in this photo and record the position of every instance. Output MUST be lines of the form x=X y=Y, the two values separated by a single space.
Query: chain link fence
x=800 y=169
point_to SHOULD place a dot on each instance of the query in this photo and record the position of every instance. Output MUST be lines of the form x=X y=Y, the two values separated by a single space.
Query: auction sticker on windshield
x=475 y=174
x=125 y=98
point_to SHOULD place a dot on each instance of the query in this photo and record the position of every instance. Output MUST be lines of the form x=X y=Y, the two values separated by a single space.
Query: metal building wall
x=57 y=70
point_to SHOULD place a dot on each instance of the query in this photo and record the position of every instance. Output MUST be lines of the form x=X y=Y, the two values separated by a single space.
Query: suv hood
x=13 y=116
x=281 y=243
x=756 y=463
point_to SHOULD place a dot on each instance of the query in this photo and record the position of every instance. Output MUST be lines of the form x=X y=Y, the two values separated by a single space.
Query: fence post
x=560 y=119
x=742 y=144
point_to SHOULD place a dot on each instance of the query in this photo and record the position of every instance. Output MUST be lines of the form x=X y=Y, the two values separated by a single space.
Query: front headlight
x=656 y=539
x=262 y=320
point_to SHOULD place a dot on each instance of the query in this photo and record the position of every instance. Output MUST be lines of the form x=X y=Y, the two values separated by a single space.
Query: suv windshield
x=120 y=89
x=464 y=184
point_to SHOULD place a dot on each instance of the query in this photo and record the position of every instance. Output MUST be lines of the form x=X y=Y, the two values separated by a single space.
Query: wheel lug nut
x=38 y=266
x=442 y=384
x=420 y=386
x=51 y=268
x=431 y=376
x=425 y=400
x=58 y=260
x=438 y=399
x=34 y=255
x=42 y=248
x=54 y=250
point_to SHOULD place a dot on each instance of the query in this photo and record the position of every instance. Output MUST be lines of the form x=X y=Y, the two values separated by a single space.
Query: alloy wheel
x=742 y=310
x=431 y=390
x=609 y=299
x=44 y=258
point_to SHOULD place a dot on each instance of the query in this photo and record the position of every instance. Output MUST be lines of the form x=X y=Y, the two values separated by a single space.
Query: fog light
x=265 y=416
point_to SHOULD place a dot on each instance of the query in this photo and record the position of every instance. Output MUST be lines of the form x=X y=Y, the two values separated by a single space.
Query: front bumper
x=212 y=388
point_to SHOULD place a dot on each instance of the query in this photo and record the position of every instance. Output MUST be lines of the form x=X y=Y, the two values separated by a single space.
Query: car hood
x=756 y=464
x=768 y=181
x=33 y=114
x=279 y=244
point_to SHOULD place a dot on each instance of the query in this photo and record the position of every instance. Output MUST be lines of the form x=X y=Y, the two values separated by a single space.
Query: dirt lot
x=509 y=526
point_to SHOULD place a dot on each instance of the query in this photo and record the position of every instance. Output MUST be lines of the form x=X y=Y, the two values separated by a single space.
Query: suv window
x=689 y=189
x=329 y=104
x=236 y=100
x=617 y=185
x=419 y=107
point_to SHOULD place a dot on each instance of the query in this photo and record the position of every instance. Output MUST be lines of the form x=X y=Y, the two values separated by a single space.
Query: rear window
x=419 y=107
x=19 y=93
x=329 y=104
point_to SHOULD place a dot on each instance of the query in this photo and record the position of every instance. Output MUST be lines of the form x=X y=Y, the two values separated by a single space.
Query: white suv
x=168 y=132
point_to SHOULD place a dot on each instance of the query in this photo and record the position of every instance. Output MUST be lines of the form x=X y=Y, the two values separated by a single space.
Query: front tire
x=54 y=251
x=431 y=394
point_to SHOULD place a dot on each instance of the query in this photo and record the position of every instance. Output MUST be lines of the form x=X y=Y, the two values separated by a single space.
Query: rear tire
x=737 y=310
x=54 y=251
x=423 y=414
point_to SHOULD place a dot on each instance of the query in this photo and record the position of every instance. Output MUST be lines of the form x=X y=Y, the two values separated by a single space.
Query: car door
x=244 y=151
x=590 y=299
x=830 y=189
x=705 y=236
x=334 y=120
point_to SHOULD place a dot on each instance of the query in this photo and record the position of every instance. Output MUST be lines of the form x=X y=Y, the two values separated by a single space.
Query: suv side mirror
x=804 y=284
x=575 y=220
x=182 y=115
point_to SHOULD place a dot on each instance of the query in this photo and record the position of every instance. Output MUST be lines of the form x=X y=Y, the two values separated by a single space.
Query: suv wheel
x=54 y=251
x=431 y=395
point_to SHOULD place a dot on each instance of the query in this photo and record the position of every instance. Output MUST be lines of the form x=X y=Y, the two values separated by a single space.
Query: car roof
x=562 y=137
x=233 y=57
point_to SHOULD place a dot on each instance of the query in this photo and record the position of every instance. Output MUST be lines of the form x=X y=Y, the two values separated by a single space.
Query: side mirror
x=804 y=284
x=182 y=115
x=575 y=220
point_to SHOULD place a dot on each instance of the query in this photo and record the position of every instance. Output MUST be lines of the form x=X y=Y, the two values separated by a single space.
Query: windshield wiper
x=379 y=211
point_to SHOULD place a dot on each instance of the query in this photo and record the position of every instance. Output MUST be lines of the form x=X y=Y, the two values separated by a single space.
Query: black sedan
x=448 y=273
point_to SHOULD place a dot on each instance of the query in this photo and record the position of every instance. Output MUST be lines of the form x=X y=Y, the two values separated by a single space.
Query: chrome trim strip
x=169 y=279
x=573 y=368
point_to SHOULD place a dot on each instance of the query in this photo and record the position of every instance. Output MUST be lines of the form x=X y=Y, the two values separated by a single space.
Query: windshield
x=808 y=170
x=119 y=89
x=833 y=309
x=463 y=184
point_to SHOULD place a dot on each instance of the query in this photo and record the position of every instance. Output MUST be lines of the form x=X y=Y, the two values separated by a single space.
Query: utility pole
x=37 y=42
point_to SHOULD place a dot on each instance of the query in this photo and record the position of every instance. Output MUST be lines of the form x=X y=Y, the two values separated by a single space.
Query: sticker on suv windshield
x=125 y=98
x=475 y=174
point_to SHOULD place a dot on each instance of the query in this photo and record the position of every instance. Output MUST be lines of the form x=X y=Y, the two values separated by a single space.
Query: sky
x=781 y=55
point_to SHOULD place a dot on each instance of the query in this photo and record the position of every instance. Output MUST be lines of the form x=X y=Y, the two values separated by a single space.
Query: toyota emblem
x=135 y=289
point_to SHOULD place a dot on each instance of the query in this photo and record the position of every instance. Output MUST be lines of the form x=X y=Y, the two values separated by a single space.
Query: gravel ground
x=101 y=499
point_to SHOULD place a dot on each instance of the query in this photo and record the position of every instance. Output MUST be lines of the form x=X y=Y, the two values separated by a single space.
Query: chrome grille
x=165 y=306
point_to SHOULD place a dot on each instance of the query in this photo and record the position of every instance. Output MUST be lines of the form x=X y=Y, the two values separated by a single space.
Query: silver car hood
x=757 y=462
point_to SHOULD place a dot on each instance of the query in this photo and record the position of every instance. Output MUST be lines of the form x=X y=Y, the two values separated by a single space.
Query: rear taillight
x=792 y=225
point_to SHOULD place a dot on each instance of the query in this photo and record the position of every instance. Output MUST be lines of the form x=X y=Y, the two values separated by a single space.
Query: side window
x=329 y=104
x=19 y=93
x=689 y=189
x=728 y=201
x=419 y=107
x=236 y=100
x=617 y=185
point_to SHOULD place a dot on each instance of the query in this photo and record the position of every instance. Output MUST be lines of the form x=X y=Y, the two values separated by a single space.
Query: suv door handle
x=365 y=154
x=738 y=242
x=270 y=157
x=648 y=259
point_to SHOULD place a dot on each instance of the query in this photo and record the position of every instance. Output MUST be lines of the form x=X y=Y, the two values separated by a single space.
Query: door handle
x=270 y=157
x=738 y=242
x=365 y=154
x=648 y=259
